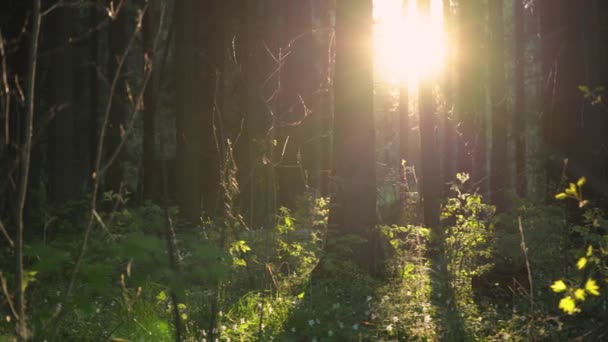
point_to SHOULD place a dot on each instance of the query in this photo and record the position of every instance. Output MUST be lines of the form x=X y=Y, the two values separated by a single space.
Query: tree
x=498 y=115
x=431 y=178
x=353 y=209
x=62 y=134
x=470 y=92
x=197 y=171
x=519 y=124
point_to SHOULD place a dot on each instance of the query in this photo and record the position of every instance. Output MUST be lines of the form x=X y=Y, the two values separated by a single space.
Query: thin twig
x=528 y=268
x=96 y=176
x=26 y=151
x=8 y=297
x=5 y=233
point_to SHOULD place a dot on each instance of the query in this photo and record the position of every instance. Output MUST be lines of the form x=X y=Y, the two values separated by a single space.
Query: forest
x=303 y=170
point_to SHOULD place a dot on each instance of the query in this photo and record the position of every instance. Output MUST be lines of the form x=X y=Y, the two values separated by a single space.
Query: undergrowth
x=238 y=284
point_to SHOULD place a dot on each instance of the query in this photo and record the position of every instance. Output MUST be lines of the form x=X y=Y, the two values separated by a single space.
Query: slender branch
x=8 y=297
x=26 y=150
x=96 y=176
x=5 y=88
x=5 y=233
x=528 y=268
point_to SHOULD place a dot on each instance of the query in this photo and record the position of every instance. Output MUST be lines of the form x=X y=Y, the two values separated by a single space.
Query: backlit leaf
x=581 y=263
x=559 y=286
x=568 y=305
x=591 y=287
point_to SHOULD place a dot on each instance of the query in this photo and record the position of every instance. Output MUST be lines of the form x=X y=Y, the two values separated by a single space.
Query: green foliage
x=259 y=281
x=592 y=260
x=468 y=235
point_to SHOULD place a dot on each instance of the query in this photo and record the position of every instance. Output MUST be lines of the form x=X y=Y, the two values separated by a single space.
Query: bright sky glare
x=408 y=46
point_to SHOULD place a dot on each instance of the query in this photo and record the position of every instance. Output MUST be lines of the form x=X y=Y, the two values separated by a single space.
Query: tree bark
x=197 y=171
x=353 y=209
x=62 y=136
x=519 y=124
x=498 y=102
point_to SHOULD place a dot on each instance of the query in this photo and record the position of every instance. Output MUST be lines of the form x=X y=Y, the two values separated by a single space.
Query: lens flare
x=408 y=45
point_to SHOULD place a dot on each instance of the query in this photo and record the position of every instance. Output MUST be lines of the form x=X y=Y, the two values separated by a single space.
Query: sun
x=408 y=46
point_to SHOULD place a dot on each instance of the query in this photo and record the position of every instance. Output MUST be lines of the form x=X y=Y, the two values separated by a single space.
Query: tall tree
x=353 y=209
x=471 y=93
x=295 y=97
x=429 y=149
x=562 y=75
x=498 y=102
x=519 y=124
x=151 y=174
x=196 y=169
x=535 y=173
x=62 y=135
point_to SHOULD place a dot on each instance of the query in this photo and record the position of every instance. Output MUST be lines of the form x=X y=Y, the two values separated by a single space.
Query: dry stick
x=97 y=177
x=22 y=329
x=5 y=233
x=528 y=268
x=6 y=90
x=7 y=295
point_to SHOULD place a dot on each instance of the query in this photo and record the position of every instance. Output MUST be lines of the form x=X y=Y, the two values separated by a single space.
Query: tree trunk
x=498 y=102
x=62 y=136
x=353 y=209
x=196 y=159
x=519 y=124
x=151 y=176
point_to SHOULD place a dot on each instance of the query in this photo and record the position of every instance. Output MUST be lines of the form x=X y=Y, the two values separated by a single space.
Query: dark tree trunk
x=192 y=98
x=295 y=102
x=562 y=74
x=519 y=123
x=404 y=130
x=498 y=101
x=470 y=95
x=450 y=141
x=353 y=208
x=93 y=90
x=429 y=149
x=63 y=129
x=197 y=171
x=117 y=40
x=151 y=175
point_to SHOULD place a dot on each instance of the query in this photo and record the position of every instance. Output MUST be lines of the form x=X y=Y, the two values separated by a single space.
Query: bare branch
x=5 y=233
x=26 y=150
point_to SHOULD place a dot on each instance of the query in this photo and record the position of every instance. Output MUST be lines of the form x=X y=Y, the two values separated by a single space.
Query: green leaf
x=591 y=287
x=581 y=181
x=239 y=262
x=580 y=294
x=559 y=286
x=561 y=196
x=568 y=305
x=581 y=263
x=161 y=297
